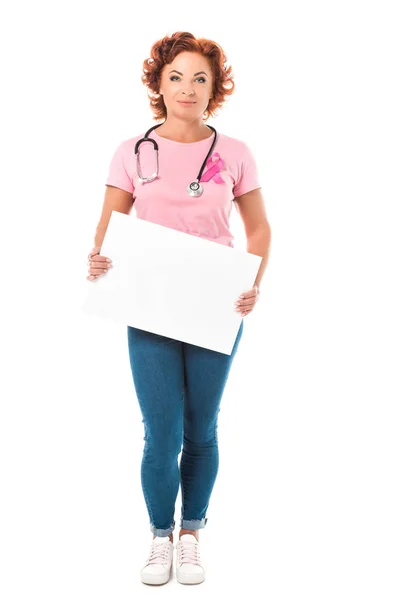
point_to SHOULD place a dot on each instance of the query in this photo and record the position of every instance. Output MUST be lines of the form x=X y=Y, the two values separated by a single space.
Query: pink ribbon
x=214 y=165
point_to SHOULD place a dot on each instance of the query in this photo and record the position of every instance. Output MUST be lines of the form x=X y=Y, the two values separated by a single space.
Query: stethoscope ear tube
x=145 y=139
x=155 y=146
x=153 y=176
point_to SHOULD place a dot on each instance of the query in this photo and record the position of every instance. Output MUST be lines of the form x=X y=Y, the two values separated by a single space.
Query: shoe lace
x=158 y=554
x=189 y=553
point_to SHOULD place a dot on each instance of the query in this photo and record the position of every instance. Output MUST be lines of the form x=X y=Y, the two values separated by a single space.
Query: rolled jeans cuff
x=193 y=524
x=162 y=532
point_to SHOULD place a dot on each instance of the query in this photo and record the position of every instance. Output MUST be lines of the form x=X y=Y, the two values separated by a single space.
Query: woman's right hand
x=98 y=265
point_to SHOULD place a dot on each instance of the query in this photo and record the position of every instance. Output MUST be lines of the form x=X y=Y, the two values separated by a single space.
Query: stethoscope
x=193 y=189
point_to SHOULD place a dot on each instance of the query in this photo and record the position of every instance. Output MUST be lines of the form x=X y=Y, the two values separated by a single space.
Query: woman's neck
x=181 y=131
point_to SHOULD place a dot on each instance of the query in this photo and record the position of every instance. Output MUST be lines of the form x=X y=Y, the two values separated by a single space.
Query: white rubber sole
x=152 y=579
x=189 y=578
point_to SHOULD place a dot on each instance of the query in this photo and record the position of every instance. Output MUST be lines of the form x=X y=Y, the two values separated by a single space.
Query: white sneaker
x=188 y=565
x=158 y=567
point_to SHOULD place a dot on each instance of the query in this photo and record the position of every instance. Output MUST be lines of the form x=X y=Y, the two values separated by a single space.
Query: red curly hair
x=164 y=51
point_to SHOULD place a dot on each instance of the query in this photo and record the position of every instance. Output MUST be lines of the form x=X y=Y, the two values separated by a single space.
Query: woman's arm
x=251 y=208
x=114 y=199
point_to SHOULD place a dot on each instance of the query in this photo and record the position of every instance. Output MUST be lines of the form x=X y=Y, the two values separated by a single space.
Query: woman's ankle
x=192 y=531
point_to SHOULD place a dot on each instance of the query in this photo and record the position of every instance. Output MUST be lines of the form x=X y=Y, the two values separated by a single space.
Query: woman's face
x=188 y=78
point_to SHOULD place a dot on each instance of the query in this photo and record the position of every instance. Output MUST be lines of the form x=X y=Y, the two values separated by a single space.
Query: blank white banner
x=171 y=283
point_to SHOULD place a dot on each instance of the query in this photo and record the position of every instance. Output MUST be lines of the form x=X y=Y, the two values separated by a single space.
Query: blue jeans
x=179 y=387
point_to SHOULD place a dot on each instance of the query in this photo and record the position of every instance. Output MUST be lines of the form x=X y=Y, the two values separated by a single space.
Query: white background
x=306 y=500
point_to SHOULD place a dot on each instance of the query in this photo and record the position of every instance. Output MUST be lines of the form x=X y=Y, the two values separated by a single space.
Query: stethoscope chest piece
x=194 y=189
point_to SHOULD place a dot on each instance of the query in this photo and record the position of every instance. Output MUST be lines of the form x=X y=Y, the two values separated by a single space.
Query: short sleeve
x=248 y=173
x=118 y=174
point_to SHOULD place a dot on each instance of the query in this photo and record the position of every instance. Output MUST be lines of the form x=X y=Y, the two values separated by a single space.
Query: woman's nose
x=188 y=90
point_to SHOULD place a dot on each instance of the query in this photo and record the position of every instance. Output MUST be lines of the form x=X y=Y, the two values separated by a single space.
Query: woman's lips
x=187 y=103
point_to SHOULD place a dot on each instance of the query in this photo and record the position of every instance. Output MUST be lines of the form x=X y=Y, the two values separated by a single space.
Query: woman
x=179 y=386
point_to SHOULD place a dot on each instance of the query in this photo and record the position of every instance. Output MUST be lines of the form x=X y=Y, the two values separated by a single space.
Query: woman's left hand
x=247 y=301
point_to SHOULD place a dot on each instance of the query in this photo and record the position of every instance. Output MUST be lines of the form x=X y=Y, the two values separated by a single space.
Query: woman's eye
x=172 y=78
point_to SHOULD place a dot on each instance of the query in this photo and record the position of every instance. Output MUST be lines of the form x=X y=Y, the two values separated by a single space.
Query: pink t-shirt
x=230 y=172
